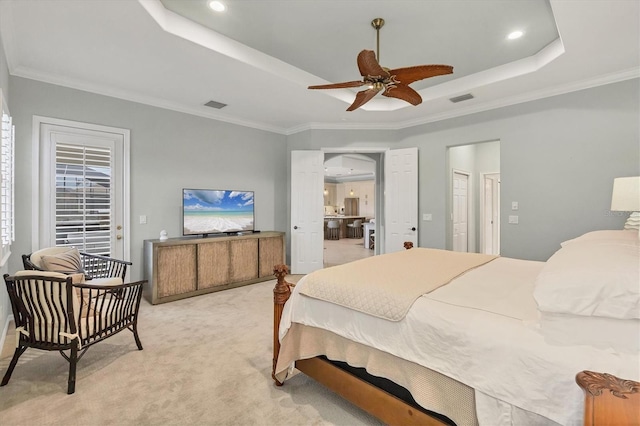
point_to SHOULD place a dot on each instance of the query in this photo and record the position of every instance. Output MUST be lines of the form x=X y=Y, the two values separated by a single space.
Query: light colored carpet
x=206 y=361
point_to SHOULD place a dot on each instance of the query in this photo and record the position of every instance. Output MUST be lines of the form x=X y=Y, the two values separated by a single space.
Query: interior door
x=460 y=211
x=82 y=190
x=401 y=198
x=488 y=222
x=307 y=208
x=490 y=236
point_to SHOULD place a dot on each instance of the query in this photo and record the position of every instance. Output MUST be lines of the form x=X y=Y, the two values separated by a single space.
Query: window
x=7 y=217
x=83 y=198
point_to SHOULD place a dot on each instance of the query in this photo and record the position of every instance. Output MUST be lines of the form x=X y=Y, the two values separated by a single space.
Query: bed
x=499 y=342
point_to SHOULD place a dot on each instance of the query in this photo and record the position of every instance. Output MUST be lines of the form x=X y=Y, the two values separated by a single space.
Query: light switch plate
x=143 y=219
x=514 y=205
x=427 y=216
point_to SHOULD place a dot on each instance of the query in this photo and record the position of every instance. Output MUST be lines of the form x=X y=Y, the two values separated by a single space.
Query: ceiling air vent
x=216 y=105
x=461 y=98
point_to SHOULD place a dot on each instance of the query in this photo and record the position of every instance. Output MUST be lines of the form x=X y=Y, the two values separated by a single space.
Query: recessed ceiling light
x=217 y=6
x=514 y=35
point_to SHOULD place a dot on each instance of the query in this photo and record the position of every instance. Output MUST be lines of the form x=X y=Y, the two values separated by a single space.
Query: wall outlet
x=514 y=205
x=513 y=220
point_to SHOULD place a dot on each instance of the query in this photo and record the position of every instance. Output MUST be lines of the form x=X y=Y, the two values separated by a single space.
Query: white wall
x=558 y=159
x=169 y=151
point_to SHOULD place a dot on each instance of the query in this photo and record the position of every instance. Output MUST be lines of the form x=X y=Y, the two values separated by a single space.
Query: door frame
x=38 y=121
x=378 y=185
x=495 y=176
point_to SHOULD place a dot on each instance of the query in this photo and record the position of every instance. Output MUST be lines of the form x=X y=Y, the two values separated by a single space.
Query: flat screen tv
x=208 y=211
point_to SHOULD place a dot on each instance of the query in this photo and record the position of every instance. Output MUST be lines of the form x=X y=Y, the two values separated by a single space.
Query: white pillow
x=592 y=277
x=607 y=235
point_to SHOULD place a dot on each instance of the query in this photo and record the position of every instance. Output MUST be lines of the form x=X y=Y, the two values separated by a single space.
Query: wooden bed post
x=609 y=400
x=281 y=294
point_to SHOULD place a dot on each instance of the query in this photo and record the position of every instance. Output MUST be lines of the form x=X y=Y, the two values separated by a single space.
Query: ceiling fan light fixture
x=393 y=83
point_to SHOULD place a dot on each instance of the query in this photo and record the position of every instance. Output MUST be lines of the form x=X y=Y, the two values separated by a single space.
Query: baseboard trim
x=4 y=332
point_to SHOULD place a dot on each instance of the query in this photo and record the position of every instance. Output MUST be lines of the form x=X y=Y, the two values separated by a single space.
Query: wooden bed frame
x=609 y=400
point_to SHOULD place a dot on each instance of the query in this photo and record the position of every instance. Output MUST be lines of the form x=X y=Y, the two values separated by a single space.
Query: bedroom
x=559 y=156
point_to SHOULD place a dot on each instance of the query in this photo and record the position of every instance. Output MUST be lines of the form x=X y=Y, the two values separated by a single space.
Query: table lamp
x=626 y=198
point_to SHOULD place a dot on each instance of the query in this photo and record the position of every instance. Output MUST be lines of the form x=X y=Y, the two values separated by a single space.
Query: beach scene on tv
x=209 y=212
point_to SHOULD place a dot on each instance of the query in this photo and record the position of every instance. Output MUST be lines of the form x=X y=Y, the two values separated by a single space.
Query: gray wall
x=558 y=159
x=169 y=151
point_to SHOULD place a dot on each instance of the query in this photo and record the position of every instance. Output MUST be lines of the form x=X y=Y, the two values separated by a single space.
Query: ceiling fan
x=393 y=83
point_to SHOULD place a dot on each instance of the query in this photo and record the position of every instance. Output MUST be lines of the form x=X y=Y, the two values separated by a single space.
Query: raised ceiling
x=259 y=56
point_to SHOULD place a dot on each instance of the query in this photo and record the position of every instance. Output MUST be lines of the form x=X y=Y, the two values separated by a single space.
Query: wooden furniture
x=53 y=314
x=375 y=401
x=343 y=220
x=94 y=265
x=609 y=400
x=185 y=267
x=619 y=404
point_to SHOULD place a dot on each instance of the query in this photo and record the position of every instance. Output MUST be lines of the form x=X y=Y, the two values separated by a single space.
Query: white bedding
x=482 y=330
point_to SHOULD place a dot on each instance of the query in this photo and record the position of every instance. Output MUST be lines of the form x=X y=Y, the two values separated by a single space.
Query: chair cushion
x=46 y=295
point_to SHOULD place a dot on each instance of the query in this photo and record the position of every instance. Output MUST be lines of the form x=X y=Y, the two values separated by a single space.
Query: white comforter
x=482 y=330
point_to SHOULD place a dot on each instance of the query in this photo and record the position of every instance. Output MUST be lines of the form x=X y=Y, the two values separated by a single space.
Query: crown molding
x=147 y=100
x=602 y=80
x=481 y=107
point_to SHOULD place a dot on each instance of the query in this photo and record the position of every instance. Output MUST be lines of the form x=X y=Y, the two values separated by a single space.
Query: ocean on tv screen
x=212 y=211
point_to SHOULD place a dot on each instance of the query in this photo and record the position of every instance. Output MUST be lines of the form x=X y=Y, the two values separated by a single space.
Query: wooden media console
x=185 y=267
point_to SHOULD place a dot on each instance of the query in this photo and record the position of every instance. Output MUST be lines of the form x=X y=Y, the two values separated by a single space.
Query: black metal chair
x=53 y=314
x=94 y=265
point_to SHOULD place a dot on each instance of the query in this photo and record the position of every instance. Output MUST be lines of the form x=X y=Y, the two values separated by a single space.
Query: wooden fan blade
x=344 y=85
x=405 y=93
x=410 y=74
x=362 y=98
x=368 y=64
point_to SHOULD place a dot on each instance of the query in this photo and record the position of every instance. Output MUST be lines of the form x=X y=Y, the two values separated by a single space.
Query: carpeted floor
x=206 y=361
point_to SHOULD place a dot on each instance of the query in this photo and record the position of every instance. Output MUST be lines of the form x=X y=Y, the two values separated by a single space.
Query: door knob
x=295 y=227
x=413 y=229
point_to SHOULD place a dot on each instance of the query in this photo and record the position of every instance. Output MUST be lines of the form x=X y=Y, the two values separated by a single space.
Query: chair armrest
x=104 y=267
x=28 y=265
x=107 y=309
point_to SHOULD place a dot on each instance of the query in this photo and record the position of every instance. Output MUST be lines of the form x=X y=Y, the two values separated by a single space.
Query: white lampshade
x=626 y=198
x=626 y=194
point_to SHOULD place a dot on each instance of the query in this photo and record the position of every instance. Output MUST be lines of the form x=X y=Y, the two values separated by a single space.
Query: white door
x=490 y=235
x=83 y=188
x=460 y=211
x=307 y=211
x=401 y=198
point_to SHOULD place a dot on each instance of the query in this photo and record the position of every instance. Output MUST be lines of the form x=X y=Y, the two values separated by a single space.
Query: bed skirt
x=433 y=391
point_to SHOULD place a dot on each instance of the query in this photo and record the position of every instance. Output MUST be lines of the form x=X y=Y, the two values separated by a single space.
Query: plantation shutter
x=84 y=198
x=7 y=200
